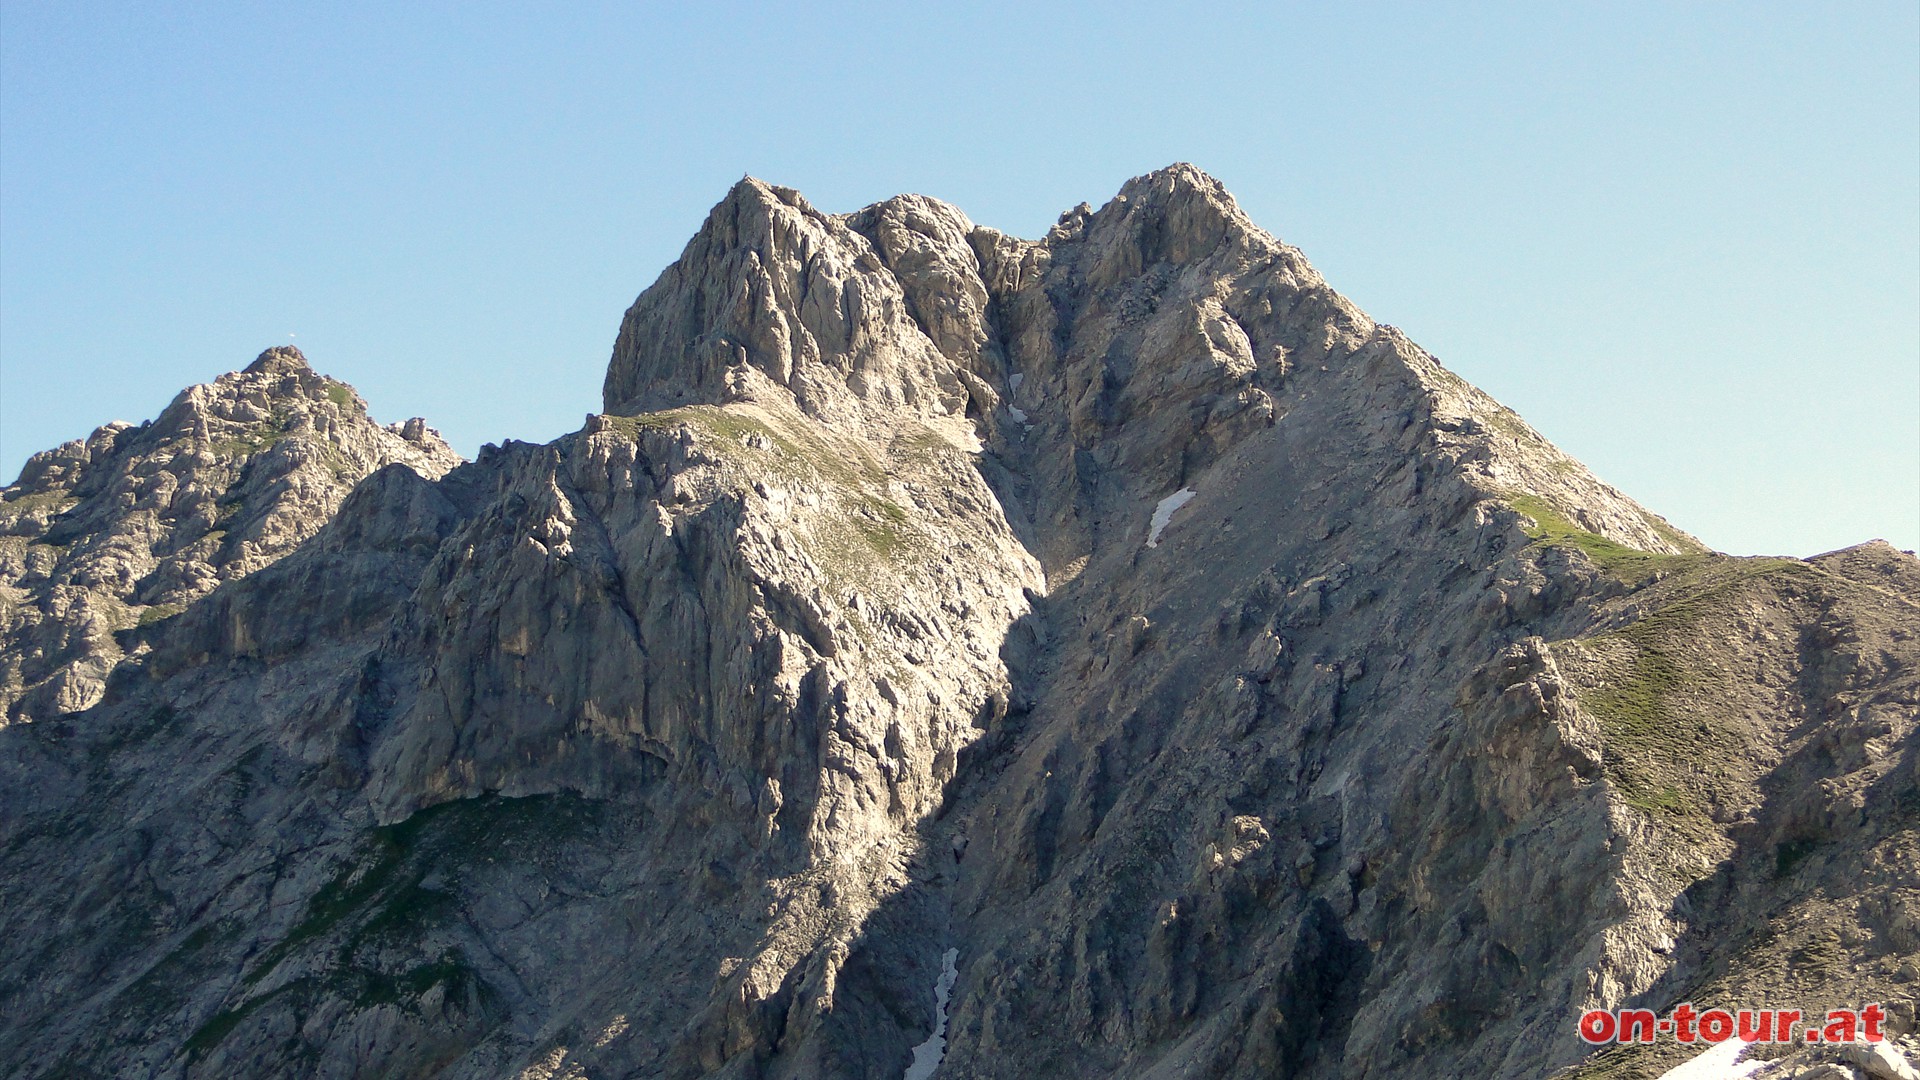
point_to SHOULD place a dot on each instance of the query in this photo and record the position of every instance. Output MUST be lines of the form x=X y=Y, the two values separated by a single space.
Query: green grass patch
x=56 y=501
x=160 y=613
x=792 y=451
x=339 y=394
x=367 y=877
x=379 y=904
x=733 y=426
x=1645 y=737
x=883 y=524
x=1672 y=535
x=375 y=988
x=362 y=988
x=868 y=529
x=341 y=466
x=1788 y=855
x=1551 y=528
x=1508 y=423
x=221 y=1024
x=1659 y=704
x=1665 y=800
x=261 y=436
x=380 y=894
x=121 y=738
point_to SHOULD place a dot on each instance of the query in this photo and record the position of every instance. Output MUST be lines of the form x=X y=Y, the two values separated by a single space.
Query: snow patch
x=1163 y=514
x=1014 y=380
x=927 y=1056
x=1017 y=414
x=1715 y=1064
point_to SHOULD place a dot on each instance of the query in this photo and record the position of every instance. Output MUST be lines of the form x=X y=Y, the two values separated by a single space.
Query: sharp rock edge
x=693 y=743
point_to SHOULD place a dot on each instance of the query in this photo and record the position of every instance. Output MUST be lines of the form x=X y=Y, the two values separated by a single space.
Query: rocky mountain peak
x=1106 y=654
x=772 y=292
x=839 y=309
x=1150 y=334
x=751 y=191
x=1179 y=182
x=279 y=360
x=104 y=535
x=1180 y=214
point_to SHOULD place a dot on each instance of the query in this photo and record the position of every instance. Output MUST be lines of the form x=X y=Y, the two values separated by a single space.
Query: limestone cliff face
x=1233 y=690
x=773 y=286
x=106 y=534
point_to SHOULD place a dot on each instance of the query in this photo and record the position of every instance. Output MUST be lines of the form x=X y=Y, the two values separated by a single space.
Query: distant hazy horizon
x=1682 y=241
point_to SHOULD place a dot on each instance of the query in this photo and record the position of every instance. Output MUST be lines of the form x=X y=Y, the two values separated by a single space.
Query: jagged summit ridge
x=1166 y=315
x=132 y=524
x=774 y=289
x=279 y=360
x=870 y=290
x=1115 y=644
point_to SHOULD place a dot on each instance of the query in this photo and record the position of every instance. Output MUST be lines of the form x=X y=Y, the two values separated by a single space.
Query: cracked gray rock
x=102 y=536
x=689 y=743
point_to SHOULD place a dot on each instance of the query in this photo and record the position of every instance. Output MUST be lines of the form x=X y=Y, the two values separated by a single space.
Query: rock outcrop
x=105 y=535
x=1118 y=633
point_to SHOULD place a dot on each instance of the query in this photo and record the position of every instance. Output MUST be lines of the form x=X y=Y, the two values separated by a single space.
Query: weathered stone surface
x=690 y=743
x=104 y=535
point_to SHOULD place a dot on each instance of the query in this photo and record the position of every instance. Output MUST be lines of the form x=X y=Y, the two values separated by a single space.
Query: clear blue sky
x=1682 y=239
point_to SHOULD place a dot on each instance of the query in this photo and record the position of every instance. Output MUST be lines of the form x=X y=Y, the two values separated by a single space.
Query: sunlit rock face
x=1115 y=647
x=104 y=535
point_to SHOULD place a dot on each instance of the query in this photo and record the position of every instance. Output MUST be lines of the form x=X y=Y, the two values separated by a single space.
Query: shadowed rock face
x=690 y=743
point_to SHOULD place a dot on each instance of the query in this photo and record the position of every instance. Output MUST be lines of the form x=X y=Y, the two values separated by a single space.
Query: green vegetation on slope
x=1664 y=704
x=160 y=613
x=59 y=501
x=1551 y=528
x=873 y=529
x=381 y=903
x=261 y=436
